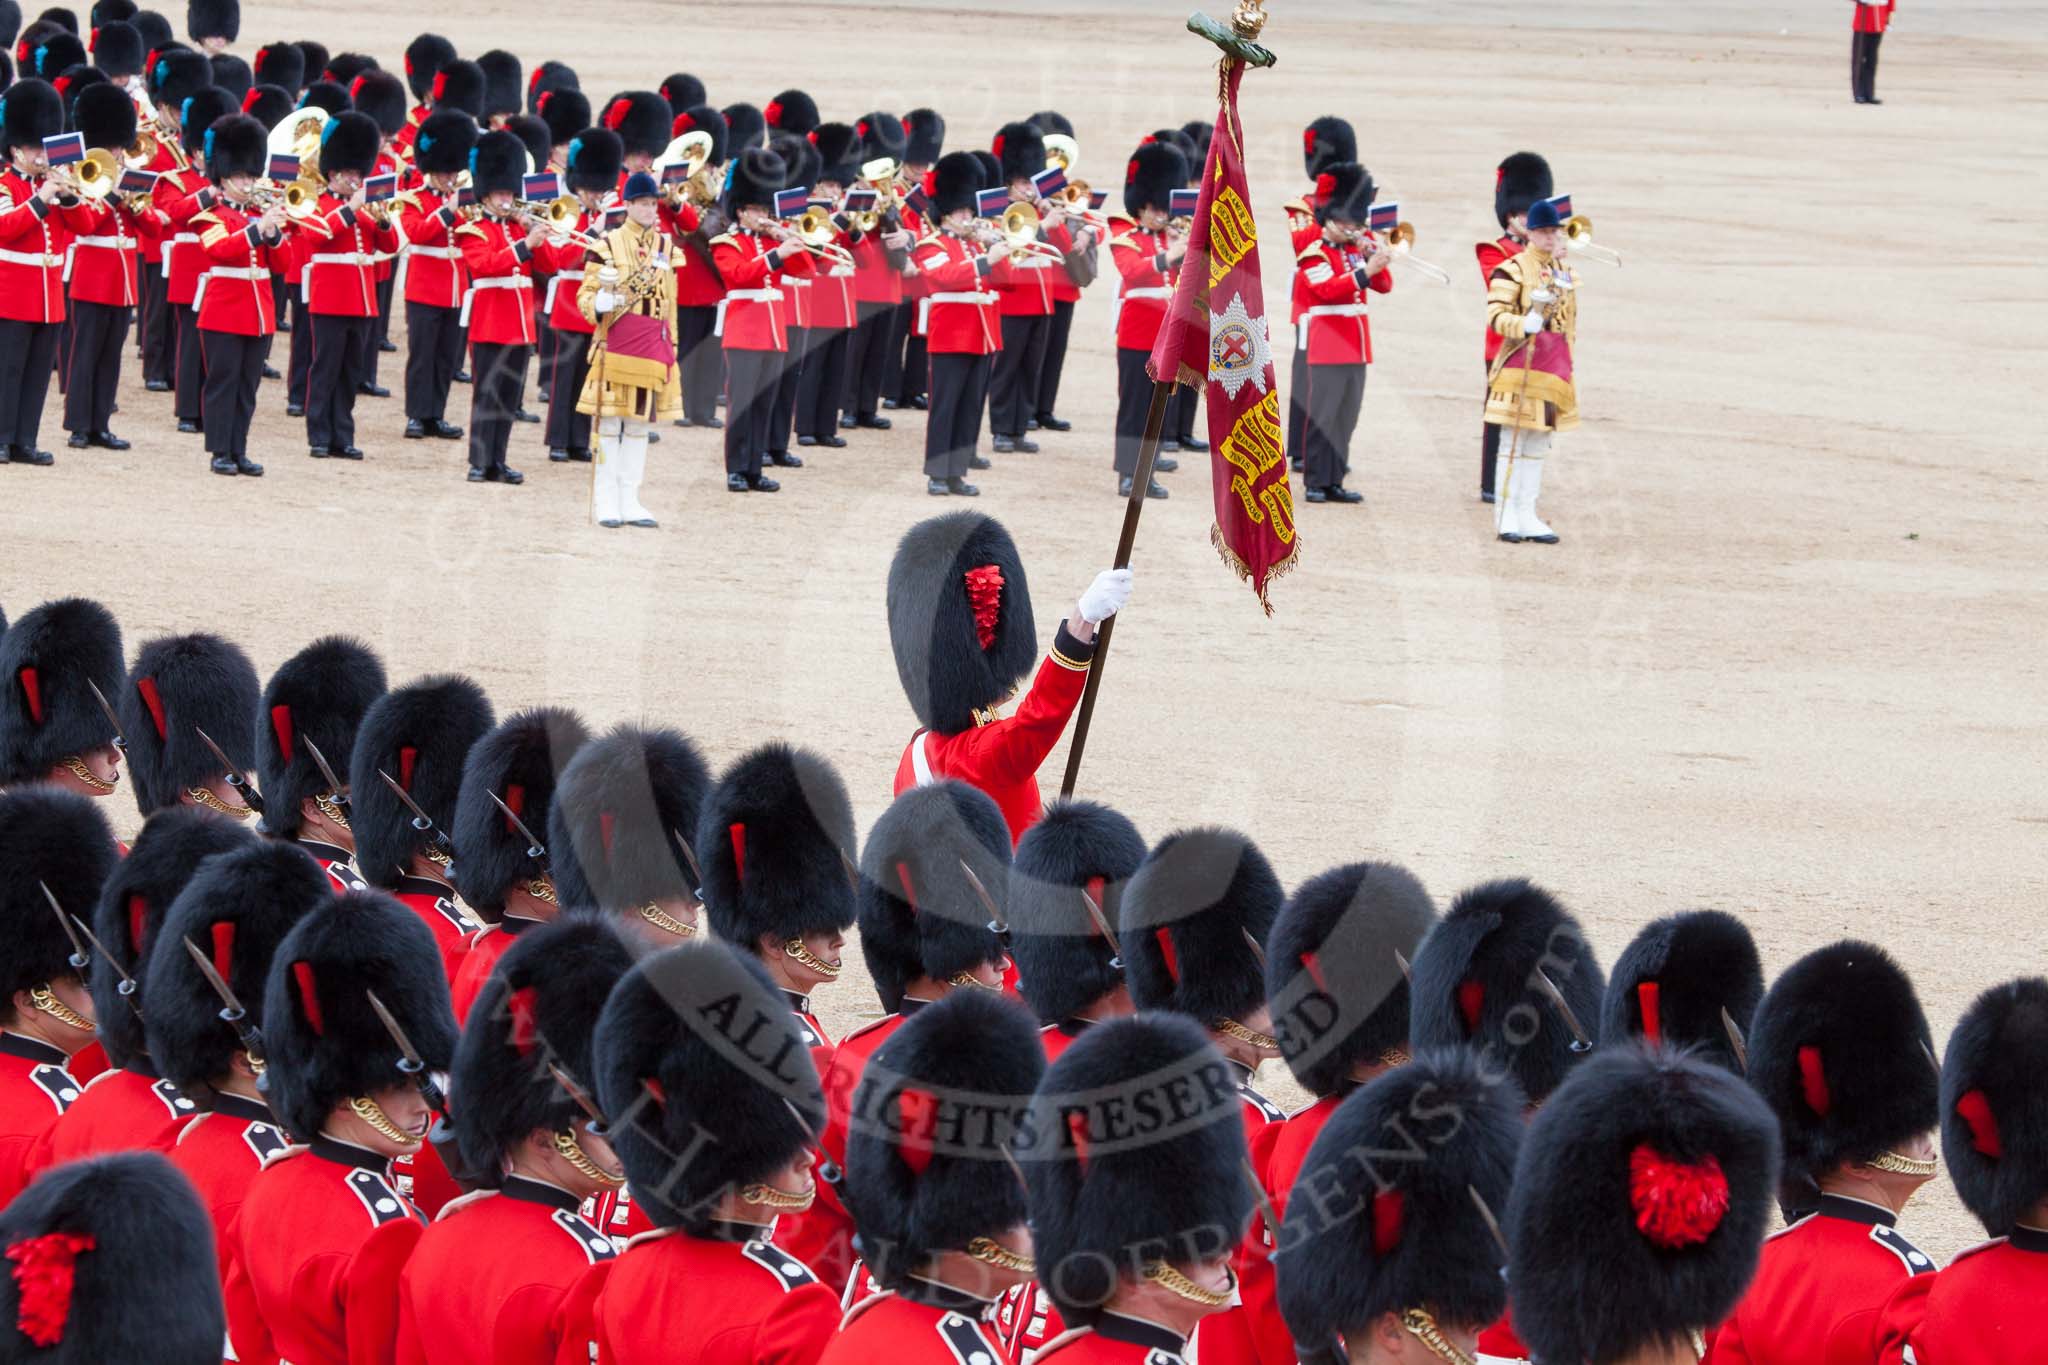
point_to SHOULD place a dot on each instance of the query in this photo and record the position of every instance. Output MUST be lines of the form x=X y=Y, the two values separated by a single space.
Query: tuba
x=692 y=151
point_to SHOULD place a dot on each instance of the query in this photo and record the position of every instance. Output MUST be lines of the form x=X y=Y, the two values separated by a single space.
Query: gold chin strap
x=1903 y=1165
x=1395 y=1056
x=1417 y=1323
x=437 y=857
x=542 y=889
x=795 y=948
x=370 y=1112
x=767 y=1196
x=1230 y=1028
x=45 y=999
x=203 y=796
x=971 y=980
x=571 y=1151
x=662 y=919
x=76 y=766
x=331 y=811
x=991 y=1252
x=1171 y=1280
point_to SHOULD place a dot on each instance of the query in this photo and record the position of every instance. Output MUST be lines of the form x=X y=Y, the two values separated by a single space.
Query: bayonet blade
x=420 y=819
x=237 y=778
x=690 y=857
x=79 y=960
x=1581 y=1040
x=127 y=987
x=230 y=1003
x=1735 y=1039
x=320 y=762
x=534 y=847
x=996 y=921
x=107 y=710
x=1500 y=1239
x=578 y=1094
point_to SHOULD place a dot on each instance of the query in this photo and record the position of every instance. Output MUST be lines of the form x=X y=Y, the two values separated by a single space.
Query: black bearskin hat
x=799 y=158
x=534 y=136
x=30 y=111
x=1076 y=849
x=641 y=118
x=1019 y=148
x=315 y=699
x=424 y=58
x=180 y=685
x=792 y=111
x=63 y=16
x=1325 y=142
x=382 y=96
x=1520 y=181
x=959 y=606
x=924 y=136
x=1154 y=172
x=1110 y=1192
x=1994 y=1110
x=236 y=909
x=549 y=76
x=672 y=1068
x=47 y=712
x=117 y=49
x=565 y=113
x=234 y=144
x=1641 y=1201
x=746 y=128
x=459 y=85
x=991 y=169
x=1676 y=980
x=213 y=19
x=267 y=104
x=702 y=118
x=1187 y=916
x=1401 y=1231
x=10 y=22
x=281 y=65
x=32 y=37
x=504 y=80
x=204 y=109
x=682 y=90
x=497 y=162
x=55 y=53
x=1344 y=190
x=113 y=1259
x=1053 y=121
x=776 y=840
x=74 y=79
x=1199 y=135
x=1473 y=980
x=757 y=174
x=6 y=76
x=343 y=67
x=130 y=914
x=838 y=147
x=178 y=75
x=1184 y=144
x=444 y=142
x=596 y=156
x=951 y=184
x=619 y=809
x=313 y=57
x=350 y=142
x=928 y=1161
x=323 y=1041
x=111 y=11
x=919 y=915
x=325 y=94
x=516 y=763
x=881 y=134
x=1333 y=971
x=1840 y=1050
x=232 y=74
x=540 y=1006
x=420 y=735
x=157 y=33
x=56 y=839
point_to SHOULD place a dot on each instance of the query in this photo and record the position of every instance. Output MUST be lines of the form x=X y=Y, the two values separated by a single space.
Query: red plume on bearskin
x=1677 y=1203
x=985 y=598
x=44 y=1268
x=1994 y=1129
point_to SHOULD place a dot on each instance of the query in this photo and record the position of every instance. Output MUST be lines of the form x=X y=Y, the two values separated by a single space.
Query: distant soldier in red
x=39 y=216
x=51 y=726
x=425 y=56
x=342 y=241
x=436 y=280
x=753 y=258
x=1145 y=257
x=104 y=283
x=956 y=316
x=316 y=700
x=178 y=686
x=1026 y=308
x=232 y=310
x=592 y=175
x=1873 y=18
x=497 y=248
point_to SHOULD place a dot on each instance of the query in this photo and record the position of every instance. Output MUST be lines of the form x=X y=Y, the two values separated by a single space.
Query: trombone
x=301 y=198
x=1075 y=197
x=1399 y=244
x=1578 y=235
x=557 y=216
x=813 y=231
x=1020 y=229
x=98 y=178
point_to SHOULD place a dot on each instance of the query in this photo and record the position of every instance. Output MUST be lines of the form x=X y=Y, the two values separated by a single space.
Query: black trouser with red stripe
x=752 y=380
x=910 y=384
x=380 y=326
x=341 y=351
x=26 y=352
x=159 y=328
x=959 y=390
x=702 y=360
x=1863 y=65
x=1013 y=381
x=822 y=385
x=191 y=369
x=1056 y=334
x=867 y=359
x=98 y=332
x=433 y=353
x=782 y=408
x=234 y=369
x=499 y=376
x=1336 y=393
x=300 y=356
x=569 y=429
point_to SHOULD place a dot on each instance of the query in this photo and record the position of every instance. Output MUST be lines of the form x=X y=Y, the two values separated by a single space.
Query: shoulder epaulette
x=476 y=229
x=1312 y=252
x=932 y=239
x=725 y=237
x=379 y=1197
x=1297 y=206
x=57 y=1083
x=788 y=1271
x=869 y=1028
x=1916 y=1261
x=594 y=1245
x=963 y=1338
x=1970 y=1251
x=208 y=216
x=174 y=1102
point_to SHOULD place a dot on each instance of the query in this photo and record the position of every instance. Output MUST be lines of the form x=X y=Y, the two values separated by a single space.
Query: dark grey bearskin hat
x=1078 y=850
x=919 y=915
x=1676 y=980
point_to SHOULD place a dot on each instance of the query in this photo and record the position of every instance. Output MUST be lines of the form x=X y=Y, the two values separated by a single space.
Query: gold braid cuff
x=663 y=920
x=76 y=766
x=203 y=796
x=571 y=1151
x=370 y=1112
x=971 y=980
x=991 y=1252
x=1903 y=1165
x=1230 y=1028
x=1418 y=1323
x=1171 y=1280
x=45 y=999
x=331 y=811
x=795 y=948
x=766 y=1195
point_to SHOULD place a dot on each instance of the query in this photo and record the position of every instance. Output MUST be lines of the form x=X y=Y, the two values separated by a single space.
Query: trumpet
x=1578 y=234
x=1075 y=197
x=1399 y=243
x=1020 y=229
x=301 y=198
x=813 y=231
x=558 y=217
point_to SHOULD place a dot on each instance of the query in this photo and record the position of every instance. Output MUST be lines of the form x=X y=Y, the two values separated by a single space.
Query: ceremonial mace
x=1239 y=46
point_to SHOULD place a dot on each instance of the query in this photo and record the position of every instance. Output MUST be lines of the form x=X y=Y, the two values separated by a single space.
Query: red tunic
x=123 y=1110
x=104 y=255
x=875 y=280
x=698 y=283
x=434 y=902
x=956 y=312
x=337 y=863
x=1278 y=1151
x=1984 y=1309
x=889 y=1329
x=434 y=272
x=1143 y=290
x=755 y=312
x=1002 y=757
x=489 y=1280
x=1229 y=1337
x=563 y=264
x=725 y=1299
x=498 y=309
x=181 y=196
x=220 y=1152
x=1873 y=18
x=1820 y=1289
x=342 y=253
x=1334 y=328
x=34 y=238
x=479 y=959
x=1491 y=254
x=315 y=1256
x=35 y=1088
x=235 y=295
x=1118 y=1340
x=1033 y=280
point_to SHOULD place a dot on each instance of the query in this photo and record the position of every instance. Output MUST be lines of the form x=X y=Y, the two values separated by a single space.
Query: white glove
x=1106 y=596
x=607 y=275
x=1543 y=296
x=1532 y=322
x=606 y=300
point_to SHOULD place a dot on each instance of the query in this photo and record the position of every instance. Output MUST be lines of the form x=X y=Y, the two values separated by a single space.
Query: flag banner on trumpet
x=1097 y=198
x=1384 y=217
x=378 y=188
x=65 y=149
x=1563 y=204
x=862 y=199
x=465 y=196
x=992 y=203
x=1216 y=335
x=1049 y=181
x=614 y=217
x=791 y=202
x=675 y=173
x=134 y=181
x=540 y=187
x=284 y=166
x=1181 y=203
x=918 y=202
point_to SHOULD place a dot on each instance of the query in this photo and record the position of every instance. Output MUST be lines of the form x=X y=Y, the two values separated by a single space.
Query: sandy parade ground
x=1788 y=660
